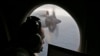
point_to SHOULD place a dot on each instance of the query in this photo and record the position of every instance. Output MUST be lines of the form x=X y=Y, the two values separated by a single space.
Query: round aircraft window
x=59 y=27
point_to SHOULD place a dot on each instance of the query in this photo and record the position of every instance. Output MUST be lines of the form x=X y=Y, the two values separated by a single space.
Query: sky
x=67 y=34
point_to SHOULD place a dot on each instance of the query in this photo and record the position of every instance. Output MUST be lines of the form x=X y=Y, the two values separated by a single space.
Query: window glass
x=59 y=27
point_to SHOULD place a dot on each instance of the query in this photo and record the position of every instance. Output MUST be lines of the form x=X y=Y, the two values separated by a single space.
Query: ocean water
x=66 y=35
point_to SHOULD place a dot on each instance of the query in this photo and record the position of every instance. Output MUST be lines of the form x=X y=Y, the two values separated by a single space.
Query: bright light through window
x=59 y=26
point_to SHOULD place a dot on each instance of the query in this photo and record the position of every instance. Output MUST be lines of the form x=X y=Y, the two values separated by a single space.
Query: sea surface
x=67 y=35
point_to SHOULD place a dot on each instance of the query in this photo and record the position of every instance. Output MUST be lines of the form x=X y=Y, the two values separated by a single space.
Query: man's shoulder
x=17 y=52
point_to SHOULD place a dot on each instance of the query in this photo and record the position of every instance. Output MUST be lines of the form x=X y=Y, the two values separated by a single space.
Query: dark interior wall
x=92 y=31
x=14 y=11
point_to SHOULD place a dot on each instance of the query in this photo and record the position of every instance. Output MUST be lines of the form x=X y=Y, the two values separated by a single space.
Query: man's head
x=31 y=34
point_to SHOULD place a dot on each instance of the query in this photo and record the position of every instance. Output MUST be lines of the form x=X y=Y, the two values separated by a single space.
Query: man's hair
x=32 y=25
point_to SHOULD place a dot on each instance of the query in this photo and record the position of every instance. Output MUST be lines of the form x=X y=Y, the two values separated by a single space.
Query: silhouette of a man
x=29 y=40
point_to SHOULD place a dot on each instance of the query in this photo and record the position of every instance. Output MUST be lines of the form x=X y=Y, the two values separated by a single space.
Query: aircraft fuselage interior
x=14 y=13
